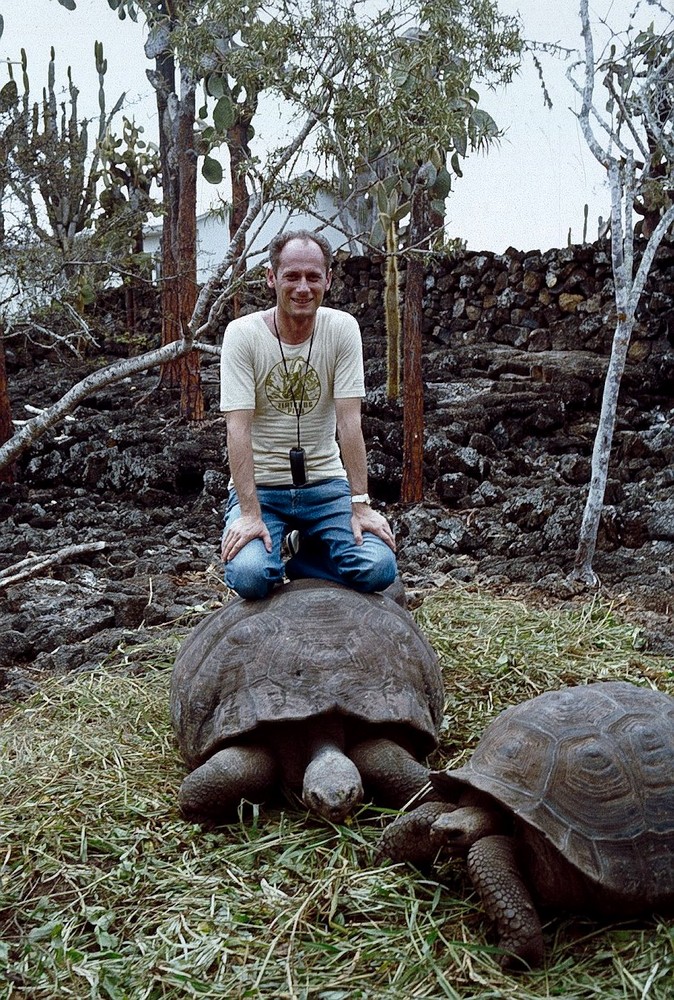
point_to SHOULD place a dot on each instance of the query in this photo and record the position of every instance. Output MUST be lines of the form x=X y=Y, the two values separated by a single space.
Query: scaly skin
x=409 y=837
x=332 y=787
x=390 y=773
x=495 y=874
x=215 y=789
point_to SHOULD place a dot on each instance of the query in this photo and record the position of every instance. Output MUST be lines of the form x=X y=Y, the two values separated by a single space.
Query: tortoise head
x=332 y=786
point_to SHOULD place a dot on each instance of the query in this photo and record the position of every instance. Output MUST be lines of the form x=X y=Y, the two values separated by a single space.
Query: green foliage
x=212 y=170
x=412 y=100
x=123 y=7
x=129 y=166
x=9 y=95
x=84 y=202
x=390 y=89
x=55 y=169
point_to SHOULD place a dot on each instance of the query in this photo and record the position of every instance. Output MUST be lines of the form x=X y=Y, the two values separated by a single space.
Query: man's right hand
x=242 y=531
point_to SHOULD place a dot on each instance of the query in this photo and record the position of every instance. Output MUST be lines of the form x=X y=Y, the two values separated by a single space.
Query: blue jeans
x=322 y=514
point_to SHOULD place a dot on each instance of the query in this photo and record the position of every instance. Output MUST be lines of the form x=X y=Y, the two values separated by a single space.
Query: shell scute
x=310 y=648
x=591 y=769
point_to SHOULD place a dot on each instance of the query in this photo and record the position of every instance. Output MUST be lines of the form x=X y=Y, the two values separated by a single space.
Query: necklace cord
x=297 y=409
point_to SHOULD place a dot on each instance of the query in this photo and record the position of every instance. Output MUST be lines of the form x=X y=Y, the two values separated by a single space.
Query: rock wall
x=515 y=352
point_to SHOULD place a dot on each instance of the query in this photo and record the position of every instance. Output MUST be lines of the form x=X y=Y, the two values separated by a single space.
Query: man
x=291 y=387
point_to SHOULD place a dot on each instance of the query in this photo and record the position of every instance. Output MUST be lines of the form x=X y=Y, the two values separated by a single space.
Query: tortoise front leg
x=215 y=789
x=495 y=874
x=409 y=837
x=390 y=773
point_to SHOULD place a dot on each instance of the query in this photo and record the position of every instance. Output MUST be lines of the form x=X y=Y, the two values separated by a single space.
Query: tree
x=8 y=101
x=414 y=100
x=631 y=140
x=8 y=472
x=413 y=384
x=53 y=173
x=411 y=121
x=324 y=57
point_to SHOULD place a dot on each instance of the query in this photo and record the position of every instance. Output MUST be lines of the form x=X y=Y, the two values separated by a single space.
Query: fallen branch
x=28 y=568
x=51 y=415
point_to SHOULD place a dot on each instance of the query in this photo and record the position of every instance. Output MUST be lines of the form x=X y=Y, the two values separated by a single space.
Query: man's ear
x=328 y=280
x=271 y=278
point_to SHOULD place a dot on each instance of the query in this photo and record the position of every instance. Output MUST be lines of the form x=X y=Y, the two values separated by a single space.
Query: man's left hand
x=363 y=518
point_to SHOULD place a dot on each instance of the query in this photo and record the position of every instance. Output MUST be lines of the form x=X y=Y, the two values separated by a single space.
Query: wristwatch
x=361 y=498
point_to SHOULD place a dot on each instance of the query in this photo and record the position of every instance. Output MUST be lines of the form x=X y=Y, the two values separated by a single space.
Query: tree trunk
x=179 y=230
x=601 y=456
x=191 y=395
x=8 y=473
x=170 y=328
x=392 y=313
x=239 y=153
x=412 y=490
x=132 y=283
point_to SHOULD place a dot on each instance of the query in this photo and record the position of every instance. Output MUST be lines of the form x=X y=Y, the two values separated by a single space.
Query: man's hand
x=363 y=518
x=242 y=531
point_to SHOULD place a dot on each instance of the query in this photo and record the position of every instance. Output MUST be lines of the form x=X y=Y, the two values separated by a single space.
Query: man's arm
x=354 y=457
x=240 y=452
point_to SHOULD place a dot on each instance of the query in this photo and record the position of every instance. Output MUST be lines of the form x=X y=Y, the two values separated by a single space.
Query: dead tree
x=622 y=141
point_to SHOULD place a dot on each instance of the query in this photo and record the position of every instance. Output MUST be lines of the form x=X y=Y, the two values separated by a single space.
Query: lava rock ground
x=126 y=474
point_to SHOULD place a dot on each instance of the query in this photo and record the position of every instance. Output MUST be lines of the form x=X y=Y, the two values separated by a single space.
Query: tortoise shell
x=309 y=648
x=592 y=769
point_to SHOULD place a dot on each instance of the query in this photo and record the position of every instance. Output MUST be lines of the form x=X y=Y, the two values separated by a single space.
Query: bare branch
x=200 y=323
x=587 y=107
x=51 y=416
x=34 y=565
x=627 y=177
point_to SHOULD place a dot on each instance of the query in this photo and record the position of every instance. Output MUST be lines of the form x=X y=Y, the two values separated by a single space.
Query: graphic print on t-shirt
x=294 y=388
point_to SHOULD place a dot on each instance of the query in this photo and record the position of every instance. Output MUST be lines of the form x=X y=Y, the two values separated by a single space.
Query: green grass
x=106 y=892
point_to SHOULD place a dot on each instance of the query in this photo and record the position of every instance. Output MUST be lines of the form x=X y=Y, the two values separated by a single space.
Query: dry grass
x=107 y=893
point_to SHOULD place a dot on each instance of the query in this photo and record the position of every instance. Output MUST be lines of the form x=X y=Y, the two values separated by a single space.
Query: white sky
x=526 y=193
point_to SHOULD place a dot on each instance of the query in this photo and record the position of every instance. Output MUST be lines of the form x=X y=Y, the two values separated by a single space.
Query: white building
x=213 y=235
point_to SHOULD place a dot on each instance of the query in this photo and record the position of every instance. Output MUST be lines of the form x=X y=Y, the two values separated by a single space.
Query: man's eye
x=313 y=278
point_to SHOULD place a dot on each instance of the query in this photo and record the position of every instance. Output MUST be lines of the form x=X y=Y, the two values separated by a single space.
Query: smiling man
x=291 y=388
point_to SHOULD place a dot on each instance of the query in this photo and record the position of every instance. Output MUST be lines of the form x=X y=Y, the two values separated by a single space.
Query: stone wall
x=515 y=350
x=558 y=300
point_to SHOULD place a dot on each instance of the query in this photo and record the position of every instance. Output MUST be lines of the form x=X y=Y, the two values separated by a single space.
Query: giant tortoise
x=567 y=803
x=316 y=689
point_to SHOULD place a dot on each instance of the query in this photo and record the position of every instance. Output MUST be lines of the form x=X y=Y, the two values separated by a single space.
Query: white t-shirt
x=253 y=377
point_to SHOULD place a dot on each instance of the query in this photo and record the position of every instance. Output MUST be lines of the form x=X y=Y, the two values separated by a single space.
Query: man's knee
x=251 y=587
x=249 y=574
x=374 y=566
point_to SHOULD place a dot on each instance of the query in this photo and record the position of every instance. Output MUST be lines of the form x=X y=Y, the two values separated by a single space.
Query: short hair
x=279 y=242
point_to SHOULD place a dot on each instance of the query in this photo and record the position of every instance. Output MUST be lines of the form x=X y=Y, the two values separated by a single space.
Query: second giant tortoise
x=567 y=803
x=317 y=690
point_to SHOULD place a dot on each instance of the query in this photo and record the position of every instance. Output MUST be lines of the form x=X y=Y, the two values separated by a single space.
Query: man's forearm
x=352 y=443
x=241 y=467
x=354 y=457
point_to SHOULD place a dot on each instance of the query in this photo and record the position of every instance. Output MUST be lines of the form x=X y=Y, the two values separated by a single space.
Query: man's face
x=300 y=281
